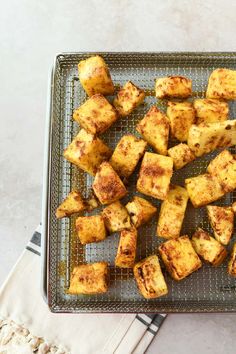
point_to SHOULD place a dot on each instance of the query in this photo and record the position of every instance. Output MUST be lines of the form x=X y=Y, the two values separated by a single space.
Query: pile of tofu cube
x=200 y=127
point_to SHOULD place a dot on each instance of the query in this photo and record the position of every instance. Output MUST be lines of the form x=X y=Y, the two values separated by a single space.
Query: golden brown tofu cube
x=181 y=155
x=107 y=185
x=116 y=217
x=173 y=86
x=126 y=252
x=203 y=189
x=127 y=154
x=87 y=152
x=96 y=115
x=232 y=262
x=95 y=77
x=90 y=229
x=172 y=212
x=128 y=98
x=140 y=210
x=210 y=110
x=222 y=84
x=154 y=128
x=89 y=279
x=154 y=175
x=208 y=248
x=223 y=166
x=72 y=204
x=179 y=257
x=234 y=207
x=149 y=278
x=181 y=116
x=205 y=138
x=222 y=222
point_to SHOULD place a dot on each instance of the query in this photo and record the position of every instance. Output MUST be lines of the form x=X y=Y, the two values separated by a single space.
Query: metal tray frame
x=208 y=290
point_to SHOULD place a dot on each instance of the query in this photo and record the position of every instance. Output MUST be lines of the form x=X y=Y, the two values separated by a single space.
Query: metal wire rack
x=209 y=289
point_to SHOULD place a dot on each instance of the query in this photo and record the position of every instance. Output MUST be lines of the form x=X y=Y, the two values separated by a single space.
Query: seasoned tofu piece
x=208 y=248
x=179 y=257
x=181 y=116
x=203 y=189
x=95 y=77
x=223 y=166
x=90 y=229
x=89 y=279
x=116 y=217
x=222 y=222
x=126 y=252
x=234 y=207
x=210 y=110
x=140 y=211
x=172 y=212
x=149 y=278
x=96 y=115
x=128 y=98
x=107 y=185
x=72 y=204
x=173 y=86
x=87 y=152
x=232 y=262
x=181 y=155
x=205 y=138
x=154 y=128
x=222 y=84
x=154 y=175
x=127 y=154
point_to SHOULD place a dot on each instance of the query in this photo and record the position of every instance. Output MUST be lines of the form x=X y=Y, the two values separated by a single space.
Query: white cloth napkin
x=21 y=302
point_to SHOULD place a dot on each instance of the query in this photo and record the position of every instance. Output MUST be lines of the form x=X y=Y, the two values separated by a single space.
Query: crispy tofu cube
x=181 y=155
x=149 y=278
x=205 y=138
x=154 y=128
x=127 y=154
x=107 y=185
x=203 y=189
x=155 y=174
x=87 y=152
x=72 y=204
x=173 y=86
x=96 y=115
x=89 y=279
x=208 y=248
x=222 y=222
x=181 y=116
x=179 y=257
x=116 y=217
x=234 y=207
x=172 y=212
x=128 y=98
x=223 y=166
x=232 y=262
x=90 y=229
x=210 y=110
x=126 y=252
x=222 y=84
x=140 y=210
x=95 y=77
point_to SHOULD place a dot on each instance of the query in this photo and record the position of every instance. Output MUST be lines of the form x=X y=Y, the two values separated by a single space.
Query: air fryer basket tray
x=207 y=290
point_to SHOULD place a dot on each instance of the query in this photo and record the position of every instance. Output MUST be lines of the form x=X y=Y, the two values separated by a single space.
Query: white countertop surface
x=31 y=33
